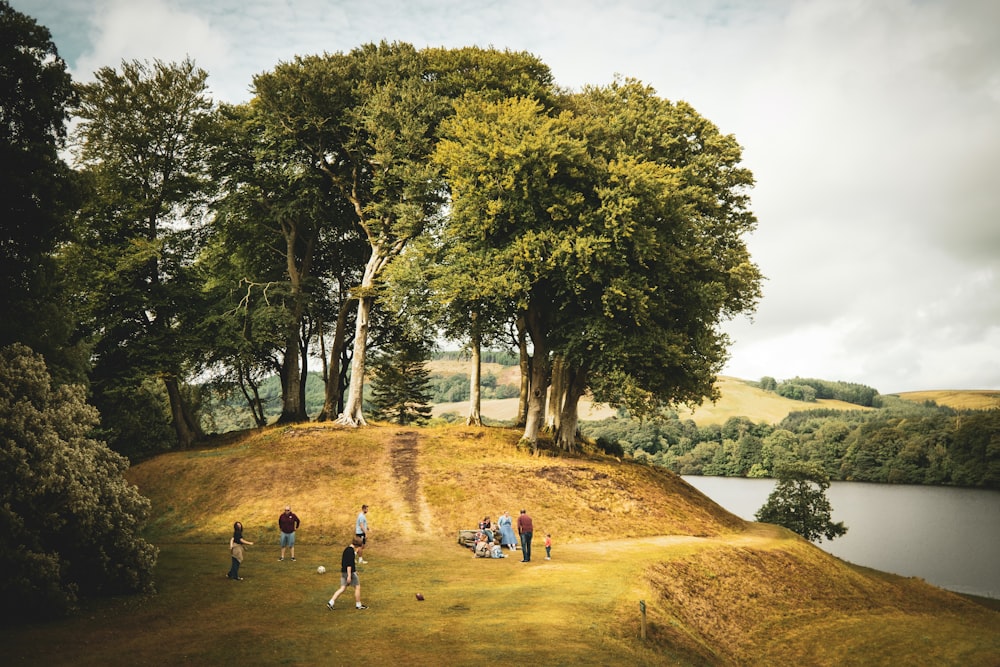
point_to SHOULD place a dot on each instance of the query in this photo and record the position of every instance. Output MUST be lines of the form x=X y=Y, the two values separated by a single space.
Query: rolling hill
x=716 y=590
x=958 y=399
x=739 y=399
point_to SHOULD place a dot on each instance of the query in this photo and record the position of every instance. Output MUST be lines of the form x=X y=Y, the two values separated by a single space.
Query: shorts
x=364 y=538
x=287 y=540
x=354 y=579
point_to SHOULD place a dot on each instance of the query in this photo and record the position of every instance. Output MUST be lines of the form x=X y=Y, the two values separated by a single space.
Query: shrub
x=69 y=520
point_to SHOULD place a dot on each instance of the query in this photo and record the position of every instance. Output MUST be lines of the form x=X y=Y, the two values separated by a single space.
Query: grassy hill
x=958 y=399
x=739 y=399
x=717 y=590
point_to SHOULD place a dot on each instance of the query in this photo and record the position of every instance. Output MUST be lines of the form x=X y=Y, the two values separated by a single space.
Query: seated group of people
x=492 y=537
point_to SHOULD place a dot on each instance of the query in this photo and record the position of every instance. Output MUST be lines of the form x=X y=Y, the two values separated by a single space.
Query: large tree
x=143 y=136
x=369 y=119
x=619 y=224
x=37 y=195
x=517 y=181
x=663 y=261
x=284 y=235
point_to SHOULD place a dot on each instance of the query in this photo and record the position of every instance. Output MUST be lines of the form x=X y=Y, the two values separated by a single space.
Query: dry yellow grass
x=960 y=400
x=718 y=590
x=739 y=399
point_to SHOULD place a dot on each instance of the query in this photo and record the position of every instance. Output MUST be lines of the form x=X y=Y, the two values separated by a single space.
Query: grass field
x=738 y=399
x=960 y=400
x=717 y=590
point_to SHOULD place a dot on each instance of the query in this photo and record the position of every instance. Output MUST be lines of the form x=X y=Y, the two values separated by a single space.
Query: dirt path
x=404 y=452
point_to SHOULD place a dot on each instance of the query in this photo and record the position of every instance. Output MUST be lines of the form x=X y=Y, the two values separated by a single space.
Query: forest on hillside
x=900 y=443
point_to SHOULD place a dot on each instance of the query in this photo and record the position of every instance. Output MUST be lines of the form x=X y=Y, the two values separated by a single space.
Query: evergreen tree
x=799 y=503
x=401 y=391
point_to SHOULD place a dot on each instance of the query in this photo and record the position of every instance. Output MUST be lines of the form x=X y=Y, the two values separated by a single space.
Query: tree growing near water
x=612 y=227
x=799 y=503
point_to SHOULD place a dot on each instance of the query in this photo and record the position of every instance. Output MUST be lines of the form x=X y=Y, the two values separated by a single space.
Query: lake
x=947 y=536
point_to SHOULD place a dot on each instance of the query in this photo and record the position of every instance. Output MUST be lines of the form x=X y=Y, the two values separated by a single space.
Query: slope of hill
x=716 y=589
x=960 y=400
x=739 y=399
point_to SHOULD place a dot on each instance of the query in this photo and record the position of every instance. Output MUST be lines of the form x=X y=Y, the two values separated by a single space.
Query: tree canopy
x=599 y=233
x=38 y=195
x=799 y=503
x=142 y=143
x=613 y=225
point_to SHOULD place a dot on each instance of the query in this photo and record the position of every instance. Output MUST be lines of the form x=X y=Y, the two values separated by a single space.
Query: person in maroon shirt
x=288 y=523
x=525 y=528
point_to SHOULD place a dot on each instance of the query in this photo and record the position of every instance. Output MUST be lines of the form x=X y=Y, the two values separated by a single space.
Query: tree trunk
x=251 y=393
x=475 y=418
x=334 y=397
x=557 y=391
x=304 y=370
x=353 y=414
x=569 y=420
x=292 y=409
x=525 y=364
x=184 y=425
x=539 y=377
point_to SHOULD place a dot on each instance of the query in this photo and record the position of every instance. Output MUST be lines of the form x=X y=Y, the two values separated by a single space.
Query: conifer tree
x=401 y=387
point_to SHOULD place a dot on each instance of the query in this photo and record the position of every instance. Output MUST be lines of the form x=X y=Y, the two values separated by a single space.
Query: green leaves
x=69 y=521
x=799 y=502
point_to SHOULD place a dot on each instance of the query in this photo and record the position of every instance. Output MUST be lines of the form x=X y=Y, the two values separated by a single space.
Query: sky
x=872 y=128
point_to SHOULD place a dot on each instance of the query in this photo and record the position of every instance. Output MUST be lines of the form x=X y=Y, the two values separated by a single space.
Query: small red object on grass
x=420 y=596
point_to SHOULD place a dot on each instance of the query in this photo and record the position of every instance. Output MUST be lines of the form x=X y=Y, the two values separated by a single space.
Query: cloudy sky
x=872 y=128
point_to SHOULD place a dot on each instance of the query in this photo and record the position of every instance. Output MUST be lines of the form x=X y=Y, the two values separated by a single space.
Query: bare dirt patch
x=403 y=458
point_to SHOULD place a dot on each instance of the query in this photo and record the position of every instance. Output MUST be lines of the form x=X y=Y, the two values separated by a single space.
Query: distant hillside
x=739 y=399
x=960 y=400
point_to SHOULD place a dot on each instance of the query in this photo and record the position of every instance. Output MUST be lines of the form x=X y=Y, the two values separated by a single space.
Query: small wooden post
x=642 y=608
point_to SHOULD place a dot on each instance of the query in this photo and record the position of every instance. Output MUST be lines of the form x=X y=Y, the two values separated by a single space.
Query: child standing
x=548 y=546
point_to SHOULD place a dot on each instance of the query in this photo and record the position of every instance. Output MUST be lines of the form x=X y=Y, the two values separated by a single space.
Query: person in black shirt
x=349 y=575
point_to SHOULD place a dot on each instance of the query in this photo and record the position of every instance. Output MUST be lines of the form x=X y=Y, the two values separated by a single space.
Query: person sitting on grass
x=487 y=527
x=482 y=549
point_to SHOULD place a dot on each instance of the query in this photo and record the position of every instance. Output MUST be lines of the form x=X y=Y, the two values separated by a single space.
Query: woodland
x=359 y=208
x=899 y=443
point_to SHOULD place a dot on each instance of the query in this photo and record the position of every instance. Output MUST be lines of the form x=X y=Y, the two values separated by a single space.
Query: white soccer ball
x=320 y=569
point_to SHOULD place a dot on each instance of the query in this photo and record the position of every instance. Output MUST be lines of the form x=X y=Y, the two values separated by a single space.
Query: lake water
x=948 y=537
